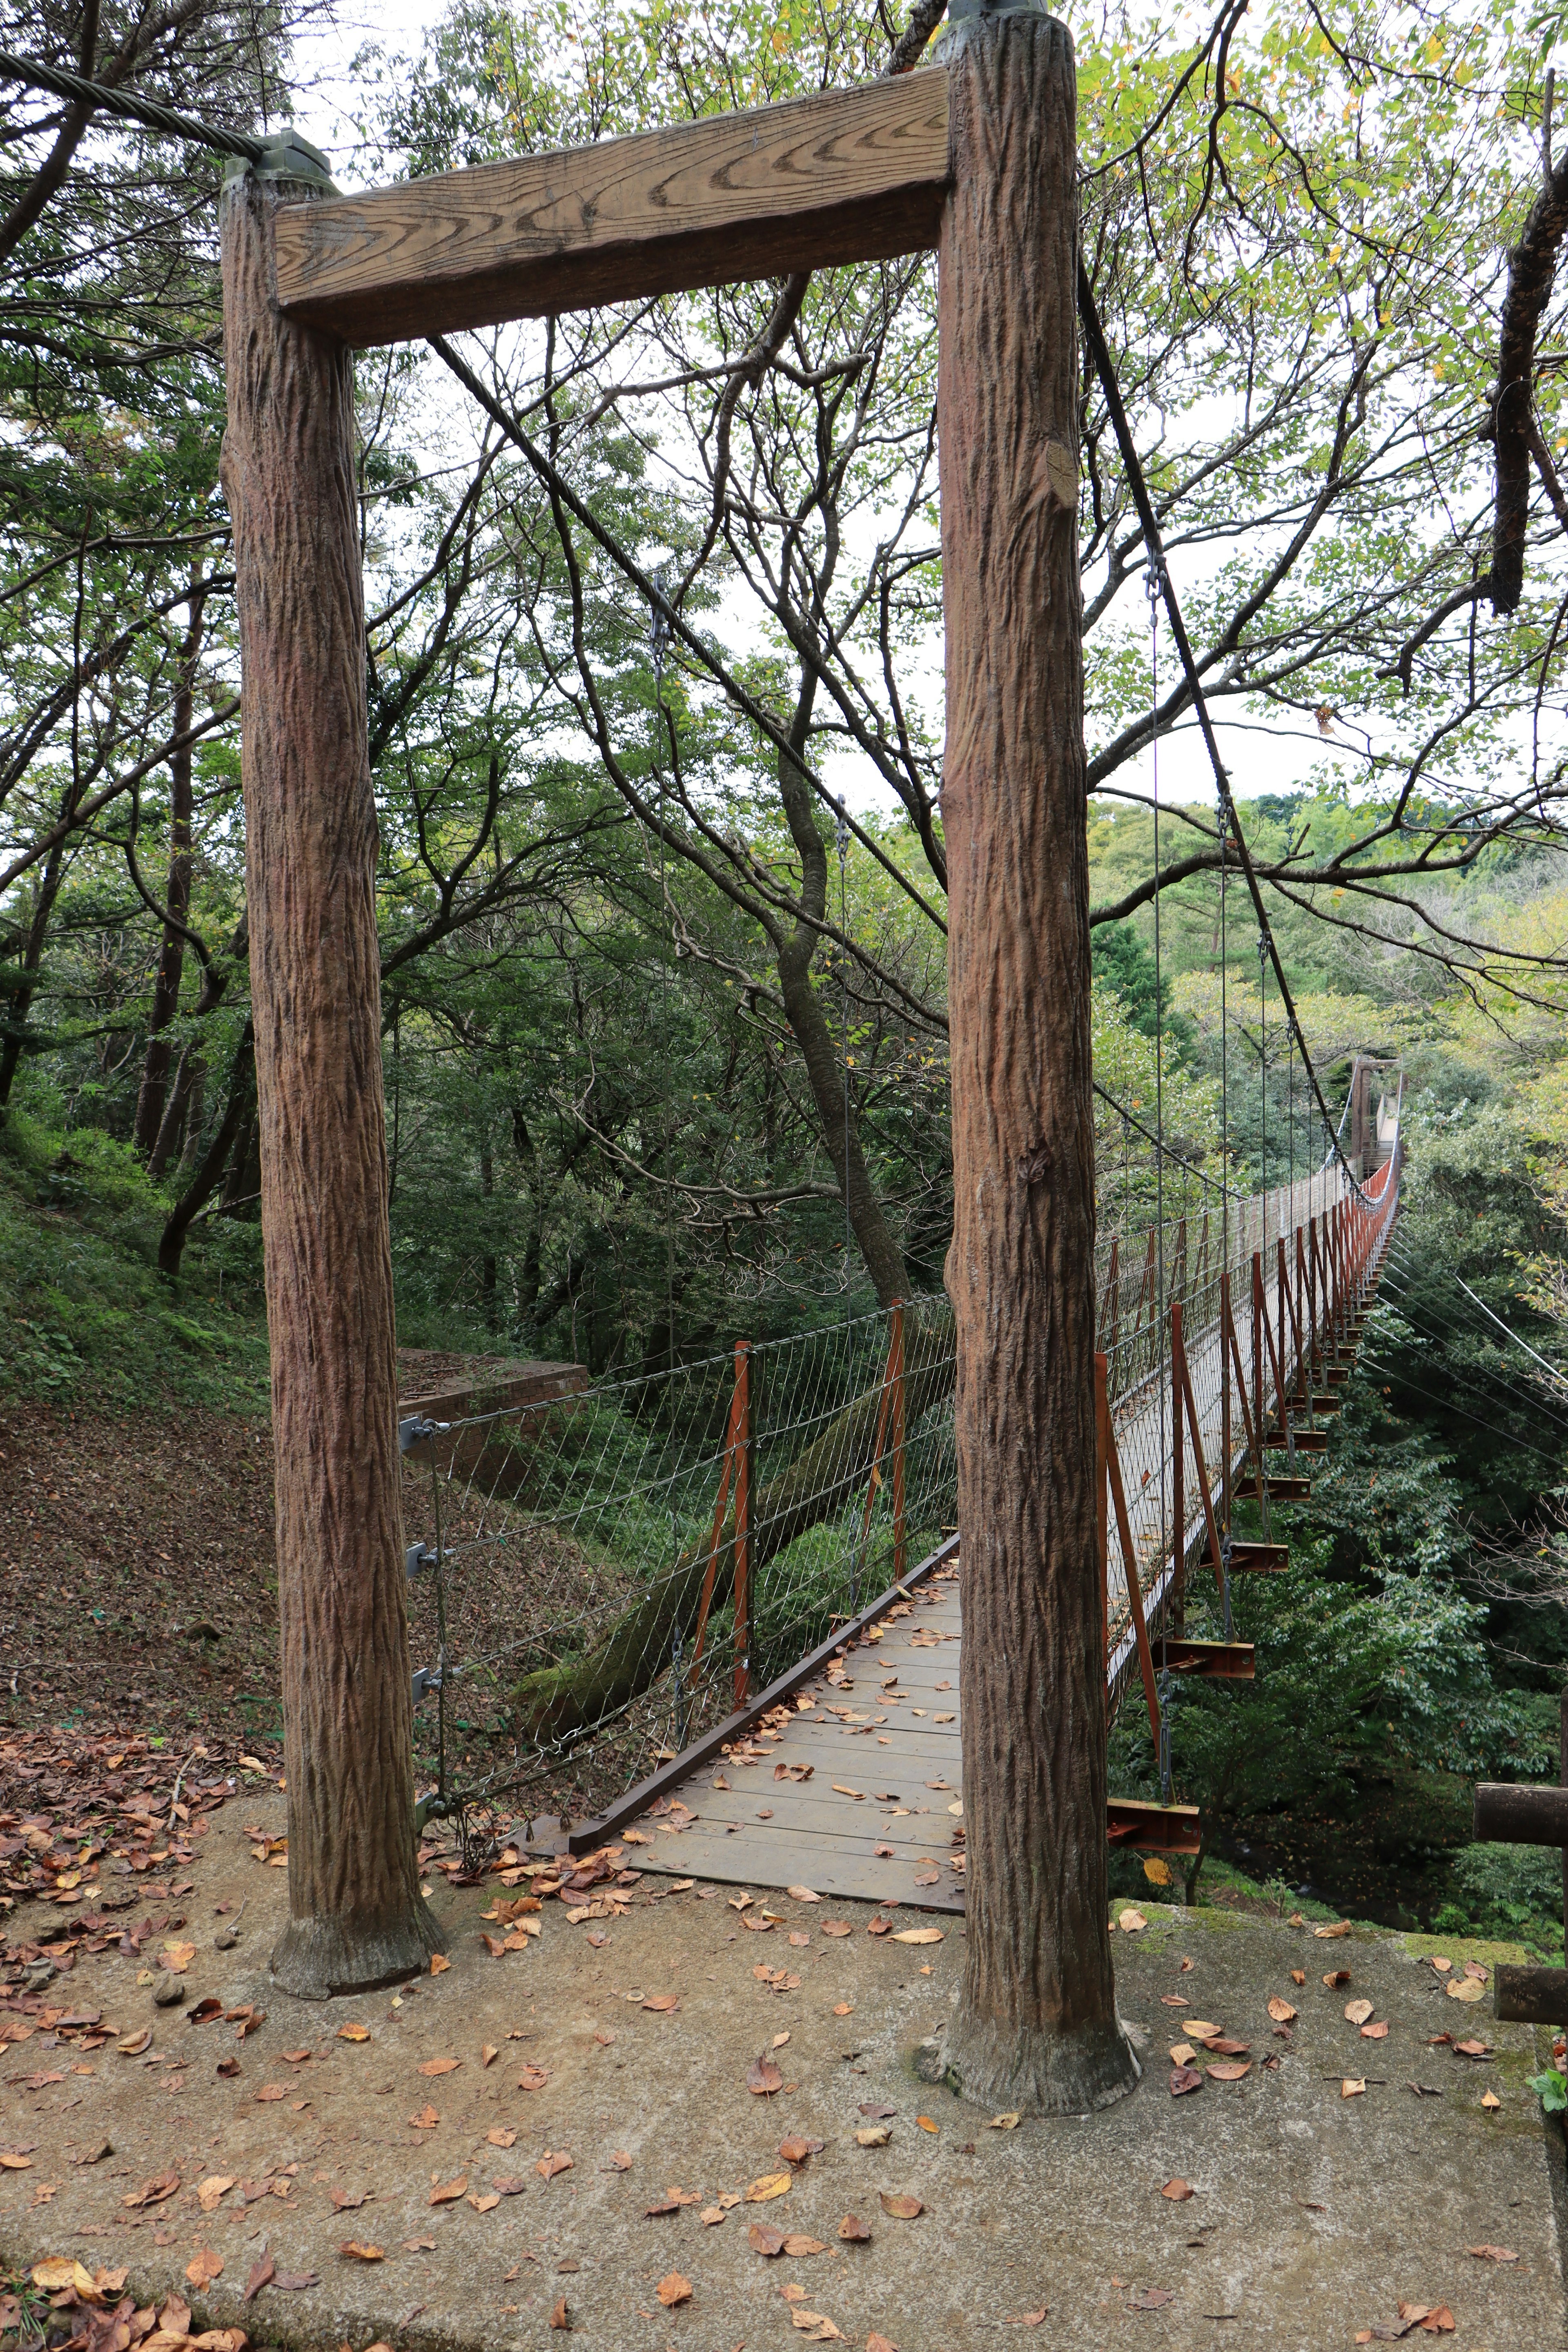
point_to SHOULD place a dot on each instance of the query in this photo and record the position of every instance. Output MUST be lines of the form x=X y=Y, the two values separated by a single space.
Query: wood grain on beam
x=848 y=175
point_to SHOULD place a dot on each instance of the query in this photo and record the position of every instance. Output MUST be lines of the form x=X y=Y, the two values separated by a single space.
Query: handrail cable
x=150 y=112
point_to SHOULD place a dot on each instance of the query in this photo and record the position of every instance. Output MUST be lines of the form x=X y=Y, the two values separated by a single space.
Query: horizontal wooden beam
x=848 y=175
x=1210 y=1661
x=1508 y=1815
x=1531 y=1996
x=1152 y=1829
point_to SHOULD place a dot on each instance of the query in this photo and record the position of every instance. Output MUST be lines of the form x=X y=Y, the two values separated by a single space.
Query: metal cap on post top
x=286 y=155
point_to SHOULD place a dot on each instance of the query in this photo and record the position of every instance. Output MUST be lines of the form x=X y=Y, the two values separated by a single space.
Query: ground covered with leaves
x=645 y=2111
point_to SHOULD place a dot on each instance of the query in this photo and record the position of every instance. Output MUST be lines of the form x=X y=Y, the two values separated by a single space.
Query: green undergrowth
x=87 y=1320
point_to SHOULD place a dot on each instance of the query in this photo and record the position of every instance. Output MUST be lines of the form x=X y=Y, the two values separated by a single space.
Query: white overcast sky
x=1264 y=755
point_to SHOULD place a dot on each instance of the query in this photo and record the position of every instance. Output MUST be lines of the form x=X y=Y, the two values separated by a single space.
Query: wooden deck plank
x=842 y=175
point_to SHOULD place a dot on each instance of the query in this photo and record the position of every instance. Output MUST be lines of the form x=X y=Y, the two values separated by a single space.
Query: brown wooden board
x=845 y=175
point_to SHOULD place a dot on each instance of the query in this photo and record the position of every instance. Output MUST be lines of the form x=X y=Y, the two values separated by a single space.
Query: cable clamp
x=427 y=1679
x=413 y=1432
x=419 y=1556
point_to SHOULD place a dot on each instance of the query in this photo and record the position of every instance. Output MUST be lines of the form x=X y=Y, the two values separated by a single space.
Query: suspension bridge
x=845 y=1775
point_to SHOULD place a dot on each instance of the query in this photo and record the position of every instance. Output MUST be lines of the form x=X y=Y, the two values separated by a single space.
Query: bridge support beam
x=1035 y=2026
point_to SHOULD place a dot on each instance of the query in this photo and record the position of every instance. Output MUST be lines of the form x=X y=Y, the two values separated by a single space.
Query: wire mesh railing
x=608 y=1572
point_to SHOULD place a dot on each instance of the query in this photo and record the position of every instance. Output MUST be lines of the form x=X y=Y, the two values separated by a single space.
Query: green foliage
x=1551 y=2088
x=85 y=1319
x=1511 y=1892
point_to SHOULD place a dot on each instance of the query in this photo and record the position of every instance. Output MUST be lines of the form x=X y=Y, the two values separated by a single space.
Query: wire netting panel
x=602 y=1575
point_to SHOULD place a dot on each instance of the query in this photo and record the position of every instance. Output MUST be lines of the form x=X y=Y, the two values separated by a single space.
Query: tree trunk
x=206 y=1173
x=357 y=1916
x=1034 y=2025
x=21 y=1002
x=159 y=1057
x=822 y=1055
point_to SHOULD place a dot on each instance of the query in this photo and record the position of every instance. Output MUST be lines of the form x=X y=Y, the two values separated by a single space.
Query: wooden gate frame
x=932 y=159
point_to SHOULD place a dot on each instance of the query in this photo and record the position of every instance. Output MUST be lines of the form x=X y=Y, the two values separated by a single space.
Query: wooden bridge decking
x=851 y=1783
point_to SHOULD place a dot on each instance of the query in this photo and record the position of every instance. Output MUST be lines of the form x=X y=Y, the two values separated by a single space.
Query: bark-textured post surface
x=1034 y=2025
x=356 y=1918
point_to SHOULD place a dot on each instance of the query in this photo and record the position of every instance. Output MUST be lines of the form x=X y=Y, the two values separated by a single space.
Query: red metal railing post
x=1102 y=1489
x=1225 y=1395
x=896 y=1369
x=1259 y=1333
x=742 y=1520
x=1178 y=1478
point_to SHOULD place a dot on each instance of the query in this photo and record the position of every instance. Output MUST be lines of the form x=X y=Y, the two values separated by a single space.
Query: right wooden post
x=1035 y=2025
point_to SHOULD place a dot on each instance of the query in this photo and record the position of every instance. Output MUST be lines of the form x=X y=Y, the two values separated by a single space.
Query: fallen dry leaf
x=762 y=2077
x=211 y=2193
x=917 y=1936
x=203 y=2267
x=488 y=2053
x=502 y=2135
x=901 y=2208
x=804 y=1895
x=770 y=2184
x=763 y=2239
x=711 y=2216
x=1337 y=1976
x=1153 y=2298
x=855 y=2231
x=559 y=2318
x=447 y=2192
x=426 y=2119
x=1491 y=2253
x=1178 y=2190
x=1185 y=2079
x=665 y=2003
x=1298 y=1975
x=1378 y=2033
x=1231 y=2071
x=487 y=2203
x=799 y=2246
x=532 y=2078
x=926 y=2124
x=1465 y=1988
x=673 y=2290
x=1129 y=1921
x=551 y=2162
x=439 y=1964
x=836 y=1927
x=347 y=2201
x=356 y=2252
x=872 y=2135
x=440 y=2065
x=1342 y=1927
x=1351 y=2088
x=265 y=2270
x=1008 y=2121
x=353 y=2033
x=134 y=2044
x=1280 y=2010
x=1490 y=2099
x=1357 y=2012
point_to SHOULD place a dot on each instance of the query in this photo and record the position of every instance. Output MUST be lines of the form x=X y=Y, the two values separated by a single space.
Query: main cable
x=150 y=112
x=1094 y=335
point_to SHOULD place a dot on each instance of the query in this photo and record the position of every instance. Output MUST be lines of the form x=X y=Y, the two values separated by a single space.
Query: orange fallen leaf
x=502 y=2135
x=1351 y=2089
x=663 y=2002
x=488 y=2053
x=440 y=1963
x=551 y=2162
x=1378 y=2033
x=532 y=2078
x=1280 y=2010
x=1490 y=2099
x=856 y=2230
x=901 y=2208
x=763 y=2077
x=1491 y=2253
x=1178 y=2190
x=487 y=2203
x=926 y=2124
x=558 y=2316
x=440 y=2065
x=203 y=2267
x=359 y=2253
x=770 y=2184
x=211 y=2193
x=353 y=2033
x=1357 y=2012
x=917 y=1936
x=447 y=2192
x=1231 y=2071
x=673 y=2290
x=426 y=2119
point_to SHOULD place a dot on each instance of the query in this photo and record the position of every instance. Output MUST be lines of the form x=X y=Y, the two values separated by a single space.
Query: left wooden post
x=356 y=1918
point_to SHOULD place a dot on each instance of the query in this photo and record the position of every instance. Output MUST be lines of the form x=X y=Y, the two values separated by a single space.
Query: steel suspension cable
x=149 y=113
x=1094 y=335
